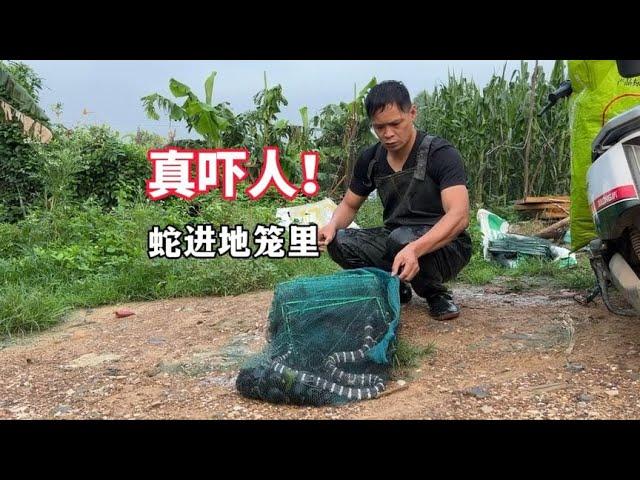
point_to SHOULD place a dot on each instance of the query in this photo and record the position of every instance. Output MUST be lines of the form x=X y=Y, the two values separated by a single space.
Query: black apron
x=410 y=197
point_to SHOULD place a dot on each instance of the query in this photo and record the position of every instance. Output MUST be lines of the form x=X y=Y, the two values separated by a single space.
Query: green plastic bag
x=599 y=94
x=508 y=249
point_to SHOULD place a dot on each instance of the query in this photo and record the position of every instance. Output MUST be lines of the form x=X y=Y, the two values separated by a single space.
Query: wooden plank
x=552 y=199
x=542 y=206
x=552 y=216
x=545 y=214
x=554 y=230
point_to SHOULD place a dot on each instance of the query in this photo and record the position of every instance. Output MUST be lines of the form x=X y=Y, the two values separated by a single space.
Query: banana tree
x=209 y=120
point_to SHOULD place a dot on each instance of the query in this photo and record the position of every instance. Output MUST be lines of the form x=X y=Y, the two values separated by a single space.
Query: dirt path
x=530 y=355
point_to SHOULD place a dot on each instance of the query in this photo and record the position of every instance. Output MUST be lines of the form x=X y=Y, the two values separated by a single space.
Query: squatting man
x=421 y=182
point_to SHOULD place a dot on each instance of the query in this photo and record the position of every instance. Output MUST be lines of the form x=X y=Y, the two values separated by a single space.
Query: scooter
x=613 y=187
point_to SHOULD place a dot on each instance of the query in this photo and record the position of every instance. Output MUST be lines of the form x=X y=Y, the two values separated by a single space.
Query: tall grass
x=82 y=256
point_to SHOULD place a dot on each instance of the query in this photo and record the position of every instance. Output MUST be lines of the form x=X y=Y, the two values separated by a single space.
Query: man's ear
x=413 y=112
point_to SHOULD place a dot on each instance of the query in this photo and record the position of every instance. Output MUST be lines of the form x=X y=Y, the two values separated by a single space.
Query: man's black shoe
x=405 y=292
x=441 y=307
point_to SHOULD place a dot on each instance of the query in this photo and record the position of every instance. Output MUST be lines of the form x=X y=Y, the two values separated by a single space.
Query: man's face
x=393 y=126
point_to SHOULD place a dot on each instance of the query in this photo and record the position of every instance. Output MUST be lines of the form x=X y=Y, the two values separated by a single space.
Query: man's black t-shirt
x=445 y=166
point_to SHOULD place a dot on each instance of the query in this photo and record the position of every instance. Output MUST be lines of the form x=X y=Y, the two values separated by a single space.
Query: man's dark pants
x=377 y=247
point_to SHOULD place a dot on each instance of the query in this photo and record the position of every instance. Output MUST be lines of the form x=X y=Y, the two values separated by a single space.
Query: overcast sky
x=111 y=90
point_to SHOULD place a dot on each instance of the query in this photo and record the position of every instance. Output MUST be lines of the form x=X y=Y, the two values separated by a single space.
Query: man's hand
x=406 y=262
x=325 y=236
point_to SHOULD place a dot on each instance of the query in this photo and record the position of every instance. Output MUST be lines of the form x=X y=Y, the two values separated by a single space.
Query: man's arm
x=455 y=203
x=347 y=210
x=341 y=218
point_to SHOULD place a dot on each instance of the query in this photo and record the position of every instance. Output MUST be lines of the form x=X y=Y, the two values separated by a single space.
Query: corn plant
x=489 y=127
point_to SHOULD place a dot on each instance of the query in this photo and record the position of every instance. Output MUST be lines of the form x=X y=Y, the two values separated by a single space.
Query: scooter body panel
x=612 y=189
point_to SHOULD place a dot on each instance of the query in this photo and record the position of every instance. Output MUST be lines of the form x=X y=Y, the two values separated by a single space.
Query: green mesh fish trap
x=331 y=340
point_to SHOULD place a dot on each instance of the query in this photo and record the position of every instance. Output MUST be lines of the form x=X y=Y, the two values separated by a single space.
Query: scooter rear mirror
x=628 y=68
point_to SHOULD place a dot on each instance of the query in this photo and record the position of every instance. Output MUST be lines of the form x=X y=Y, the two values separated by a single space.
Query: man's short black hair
x=387 y=93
